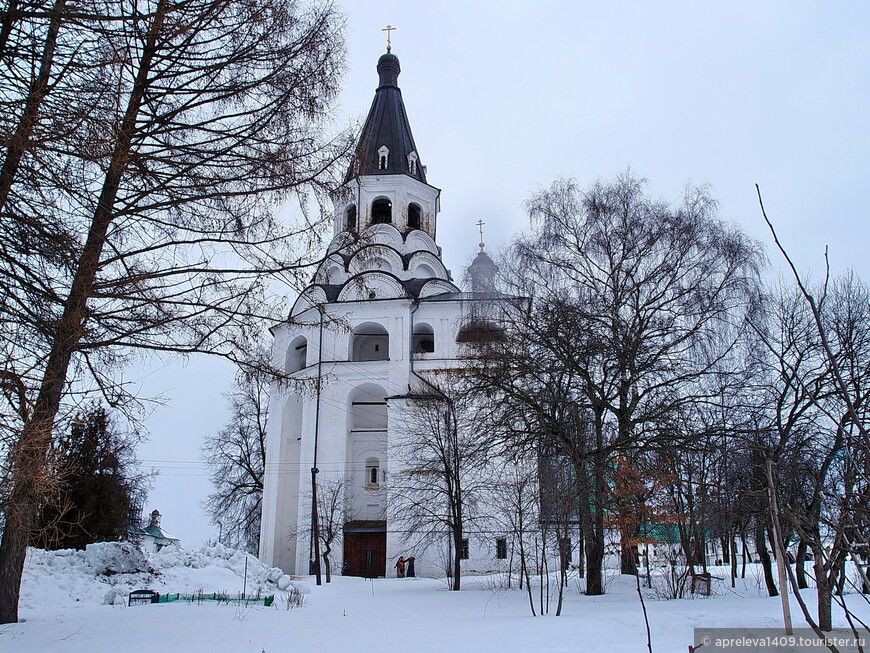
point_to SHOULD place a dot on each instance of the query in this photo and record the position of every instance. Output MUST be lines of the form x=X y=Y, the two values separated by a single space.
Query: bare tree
x=205 y=114
x=538 y=408
x=332 y=513
x=632 y=304
x=516 y=500
x=236 y=458
x=818 y=455
x=664 y=291
x=441 y=455
x=825 y=355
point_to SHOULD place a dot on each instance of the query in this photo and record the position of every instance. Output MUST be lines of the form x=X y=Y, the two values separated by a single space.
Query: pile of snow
x=106 y=572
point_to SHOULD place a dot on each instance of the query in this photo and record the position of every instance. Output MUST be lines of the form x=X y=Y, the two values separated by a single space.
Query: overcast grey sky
x=503 y=97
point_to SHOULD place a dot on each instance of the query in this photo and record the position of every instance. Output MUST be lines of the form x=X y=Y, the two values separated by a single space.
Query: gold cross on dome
x=480 y=224
x=389 y=28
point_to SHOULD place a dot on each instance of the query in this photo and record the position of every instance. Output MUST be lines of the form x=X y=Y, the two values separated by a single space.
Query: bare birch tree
x=632 y=304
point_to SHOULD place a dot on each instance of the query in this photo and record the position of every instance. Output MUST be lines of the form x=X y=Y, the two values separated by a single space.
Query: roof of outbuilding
x=387 y=125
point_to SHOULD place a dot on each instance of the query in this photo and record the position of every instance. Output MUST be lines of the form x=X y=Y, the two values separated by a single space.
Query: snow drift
x=106 y=572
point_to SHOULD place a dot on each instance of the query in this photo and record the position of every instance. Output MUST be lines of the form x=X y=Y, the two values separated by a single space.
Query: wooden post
x=780 y=549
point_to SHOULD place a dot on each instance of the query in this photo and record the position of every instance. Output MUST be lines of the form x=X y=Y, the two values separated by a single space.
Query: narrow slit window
x=373 y=474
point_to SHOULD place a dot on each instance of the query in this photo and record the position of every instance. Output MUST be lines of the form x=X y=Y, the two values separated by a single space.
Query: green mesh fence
x=141 y=596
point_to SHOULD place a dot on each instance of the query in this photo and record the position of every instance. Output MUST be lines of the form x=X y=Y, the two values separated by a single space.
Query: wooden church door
x=366 y=554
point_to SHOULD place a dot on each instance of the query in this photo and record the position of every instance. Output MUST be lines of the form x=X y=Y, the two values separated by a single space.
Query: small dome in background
x=482 y=273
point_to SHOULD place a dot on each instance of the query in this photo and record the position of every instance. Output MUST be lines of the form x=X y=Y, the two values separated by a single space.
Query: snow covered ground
x=63 y=594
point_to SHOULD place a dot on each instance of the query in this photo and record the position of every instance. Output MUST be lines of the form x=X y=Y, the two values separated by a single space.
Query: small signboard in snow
x=143 y=596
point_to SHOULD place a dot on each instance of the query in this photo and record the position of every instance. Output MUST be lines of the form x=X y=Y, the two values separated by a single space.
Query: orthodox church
x=381 y=313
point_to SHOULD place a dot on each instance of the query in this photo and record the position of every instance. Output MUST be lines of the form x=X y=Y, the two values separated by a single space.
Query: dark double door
x=365 y=554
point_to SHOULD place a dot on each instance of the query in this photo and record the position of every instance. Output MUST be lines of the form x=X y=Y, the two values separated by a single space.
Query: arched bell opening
x=414 y=216
x=297 y=354
x=370 y=342
x=382 y=211
x=350 y=218
x=424 y=339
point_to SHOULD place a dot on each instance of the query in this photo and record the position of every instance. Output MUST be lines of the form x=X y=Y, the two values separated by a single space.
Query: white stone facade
x=382 y=313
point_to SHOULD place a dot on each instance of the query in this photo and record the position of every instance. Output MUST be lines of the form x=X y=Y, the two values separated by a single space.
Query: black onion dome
x=386 y=126
x=388 y=70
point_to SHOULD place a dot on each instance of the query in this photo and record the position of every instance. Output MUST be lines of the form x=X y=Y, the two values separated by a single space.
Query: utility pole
x=315 y=524
x=315 y=520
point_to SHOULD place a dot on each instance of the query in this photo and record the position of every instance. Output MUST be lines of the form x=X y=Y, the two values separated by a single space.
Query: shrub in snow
x=294 y=599
x=116 y=596
x=302 y=588
x=284 y=582
x=116 y=558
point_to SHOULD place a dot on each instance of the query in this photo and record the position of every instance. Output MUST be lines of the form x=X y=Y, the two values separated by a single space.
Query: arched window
x=370 y=342
x=373 y=473
x=382 y=211
x=414 y=213
x=424 y=339
x=368 y=408
x=412 y=163
x=383 y=157
x=297 y=354
x=350 y=218
x=478 y=332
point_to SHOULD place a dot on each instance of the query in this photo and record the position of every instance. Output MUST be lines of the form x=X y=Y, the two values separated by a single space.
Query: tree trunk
x=764 y=558
x=327 y=565
x=457 y=549
x=20 y=141
x=799 y=568
x=524 y=573
x=823 y=589
x=863 y=561
x=746 y=556
x=733 y=542
x=591 y=495
x=628 y=551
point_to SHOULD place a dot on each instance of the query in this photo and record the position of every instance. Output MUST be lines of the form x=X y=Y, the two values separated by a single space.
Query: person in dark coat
x=410 y=561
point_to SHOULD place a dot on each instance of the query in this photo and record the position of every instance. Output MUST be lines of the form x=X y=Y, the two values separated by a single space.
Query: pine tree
x=99 y=493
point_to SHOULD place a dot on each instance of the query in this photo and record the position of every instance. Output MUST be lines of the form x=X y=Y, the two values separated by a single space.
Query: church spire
x=386 y=145
x=483 y=270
